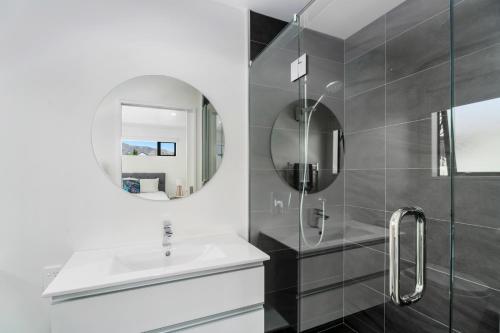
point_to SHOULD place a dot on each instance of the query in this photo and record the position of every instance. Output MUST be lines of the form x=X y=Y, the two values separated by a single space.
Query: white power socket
x=50 y=273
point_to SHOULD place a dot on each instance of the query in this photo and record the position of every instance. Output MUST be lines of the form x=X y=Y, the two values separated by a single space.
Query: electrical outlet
x=50 y=273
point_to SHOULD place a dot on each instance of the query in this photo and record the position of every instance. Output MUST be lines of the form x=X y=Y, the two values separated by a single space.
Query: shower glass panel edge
x=273 y=203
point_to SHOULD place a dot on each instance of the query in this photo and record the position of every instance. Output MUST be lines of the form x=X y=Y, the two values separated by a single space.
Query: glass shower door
x=274 y=153
x=375 y=237
x=476 y=181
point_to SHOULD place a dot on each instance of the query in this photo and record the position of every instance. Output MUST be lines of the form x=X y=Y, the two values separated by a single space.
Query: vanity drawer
x=155 y=307
x=252 y=322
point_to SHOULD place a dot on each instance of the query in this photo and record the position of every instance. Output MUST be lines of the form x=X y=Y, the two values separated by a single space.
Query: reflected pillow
x=131 y=185
x=149 y=185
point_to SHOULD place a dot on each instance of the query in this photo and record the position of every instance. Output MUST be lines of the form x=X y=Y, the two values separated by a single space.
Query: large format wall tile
x=416 y=97
x=322 y=45
x=476 y=254
x=266 y=183
x=365 y=188
x=365 y=111
x=412 y=12
x=477 y=76
x=437 y=242
x=365 y=216
x=266 y=103
x=365 y=149
x=365 y=40
x=476 y=25
x=482 y=208
x=475 y=308
x=425 y=46
x=409 y=145
x=414 y=187
x=272 y=69
x=366 y=72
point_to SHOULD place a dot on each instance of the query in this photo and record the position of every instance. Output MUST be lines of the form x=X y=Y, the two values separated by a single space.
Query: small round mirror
x=158 y=138
x=319 y=131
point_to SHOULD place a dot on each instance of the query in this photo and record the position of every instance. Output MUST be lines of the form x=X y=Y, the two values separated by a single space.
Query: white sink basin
x=150 y=259
x=98 y=271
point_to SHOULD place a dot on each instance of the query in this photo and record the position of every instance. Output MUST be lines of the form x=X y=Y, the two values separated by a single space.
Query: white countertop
x=95 y=271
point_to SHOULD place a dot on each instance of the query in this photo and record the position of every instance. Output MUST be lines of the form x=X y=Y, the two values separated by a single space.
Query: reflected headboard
x=147 y=175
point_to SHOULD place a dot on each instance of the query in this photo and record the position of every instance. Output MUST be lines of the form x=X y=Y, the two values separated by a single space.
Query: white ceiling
x=343 y=18
x=339 y=18
x=280 y=9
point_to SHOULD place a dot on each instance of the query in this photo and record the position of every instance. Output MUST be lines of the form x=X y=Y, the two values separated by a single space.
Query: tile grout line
x=413 y=27
x=386 y=40
x=428 y=317
x=293 y=91
x=348 y=97
x=389 y=125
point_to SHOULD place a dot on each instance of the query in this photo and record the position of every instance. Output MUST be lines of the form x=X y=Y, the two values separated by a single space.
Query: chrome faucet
x=318 y=215
x=167 y=235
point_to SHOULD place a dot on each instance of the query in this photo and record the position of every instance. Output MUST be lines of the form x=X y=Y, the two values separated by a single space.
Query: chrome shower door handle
x=394 y=254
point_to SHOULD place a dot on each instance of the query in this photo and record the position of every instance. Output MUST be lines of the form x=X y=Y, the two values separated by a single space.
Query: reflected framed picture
x=167 y=148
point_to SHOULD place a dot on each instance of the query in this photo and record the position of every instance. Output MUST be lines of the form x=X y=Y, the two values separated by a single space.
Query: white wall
x=58 y=59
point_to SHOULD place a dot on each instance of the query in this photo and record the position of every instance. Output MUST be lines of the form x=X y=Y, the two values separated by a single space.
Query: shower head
x=331 y=88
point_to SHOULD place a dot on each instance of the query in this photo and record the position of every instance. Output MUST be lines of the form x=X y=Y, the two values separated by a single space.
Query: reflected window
x=167 y=148
x=139 y=148
x=476 y=139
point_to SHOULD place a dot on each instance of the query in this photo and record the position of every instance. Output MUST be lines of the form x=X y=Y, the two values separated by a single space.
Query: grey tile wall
x=365 y=72
x=422 y=47
x=395 y=79
x=411 y=13
x=417 y=83
x=365 y=111
x=397 y=73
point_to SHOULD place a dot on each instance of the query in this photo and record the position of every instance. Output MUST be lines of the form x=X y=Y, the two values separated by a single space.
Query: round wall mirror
x=316 y=129
x=158 y=138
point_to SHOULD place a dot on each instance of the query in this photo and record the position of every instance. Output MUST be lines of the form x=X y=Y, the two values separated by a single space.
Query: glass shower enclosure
x=375 y=167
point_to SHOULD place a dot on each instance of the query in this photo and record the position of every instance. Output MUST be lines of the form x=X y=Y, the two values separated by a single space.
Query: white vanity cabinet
x=226 y=295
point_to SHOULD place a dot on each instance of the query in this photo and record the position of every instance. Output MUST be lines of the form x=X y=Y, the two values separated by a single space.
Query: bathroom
x=250 y=166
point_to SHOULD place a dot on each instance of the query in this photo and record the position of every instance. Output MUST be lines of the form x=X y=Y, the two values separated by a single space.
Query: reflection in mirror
x=324 y=140
x=476 y=139
x=158 y=138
